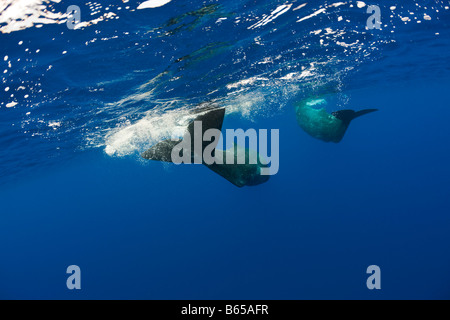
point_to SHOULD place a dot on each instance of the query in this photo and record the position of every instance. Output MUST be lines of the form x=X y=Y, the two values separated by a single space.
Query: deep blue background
x=146 y=231
x=149 y=230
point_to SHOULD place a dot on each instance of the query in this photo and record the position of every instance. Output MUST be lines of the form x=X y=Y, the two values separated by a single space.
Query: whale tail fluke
x=240 y=175
x=363 y=112
x=162 y=151
x=212 y=119
x=348 y=115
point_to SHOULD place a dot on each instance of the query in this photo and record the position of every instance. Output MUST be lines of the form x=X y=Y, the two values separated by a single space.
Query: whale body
x=318 y=123
x=247 y=174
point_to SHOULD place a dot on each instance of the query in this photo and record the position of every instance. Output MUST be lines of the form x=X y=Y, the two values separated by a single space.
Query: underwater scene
x=212 y=149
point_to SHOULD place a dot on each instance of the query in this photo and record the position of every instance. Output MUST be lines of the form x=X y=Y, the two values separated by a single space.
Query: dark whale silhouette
x=239 y=174
x=324 y=126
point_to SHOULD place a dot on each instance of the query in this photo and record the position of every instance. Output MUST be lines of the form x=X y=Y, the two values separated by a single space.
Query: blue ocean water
x=79 y=106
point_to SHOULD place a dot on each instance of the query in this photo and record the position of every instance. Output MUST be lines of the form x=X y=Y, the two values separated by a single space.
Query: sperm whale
x=318 y=123
x=246 y=174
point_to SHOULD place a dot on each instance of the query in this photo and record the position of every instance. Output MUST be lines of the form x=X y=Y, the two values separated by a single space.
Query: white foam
x=245 y=82
x=153 y=128
x=346 y=45
x=153 y=4
x=22 y=14
x=54 y=124
x=247 y=104
x=273 y=15
x=312 y=15
x=337 y=4
x=18 y=15
x=11 y=104
x=299 y=7
x=360 y=4
x=104 y=17
x=323 y=10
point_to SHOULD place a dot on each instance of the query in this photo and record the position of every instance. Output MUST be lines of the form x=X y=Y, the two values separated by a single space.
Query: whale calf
x=318 y=123
x=246 y=174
